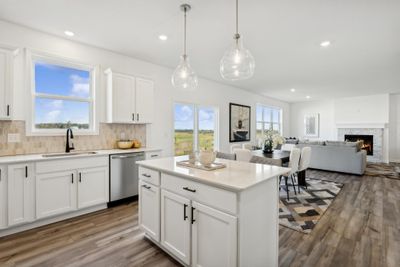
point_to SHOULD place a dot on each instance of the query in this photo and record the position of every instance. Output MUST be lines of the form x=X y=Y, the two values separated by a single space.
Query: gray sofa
x=347 y=157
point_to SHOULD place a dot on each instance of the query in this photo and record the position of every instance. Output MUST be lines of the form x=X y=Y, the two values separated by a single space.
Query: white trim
x=30 y=58
x=357 y=125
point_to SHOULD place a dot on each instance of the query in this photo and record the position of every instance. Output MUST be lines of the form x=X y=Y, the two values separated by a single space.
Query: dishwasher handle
x=126 y=156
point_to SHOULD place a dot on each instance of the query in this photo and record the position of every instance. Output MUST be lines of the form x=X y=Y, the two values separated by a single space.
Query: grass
x=184 y=141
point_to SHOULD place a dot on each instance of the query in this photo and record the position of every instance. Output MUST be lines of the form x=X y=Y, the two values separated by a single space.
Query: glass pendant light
x=237 y=63
x=184 y=77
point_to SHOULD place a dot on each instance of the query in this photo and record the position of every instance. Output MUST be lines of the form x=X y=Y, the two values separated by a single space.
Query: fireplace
x=368 y=141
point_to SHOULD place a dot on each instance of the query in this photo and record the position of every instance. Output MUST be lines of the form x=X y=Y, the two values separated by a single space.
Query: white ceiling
x=283 y=35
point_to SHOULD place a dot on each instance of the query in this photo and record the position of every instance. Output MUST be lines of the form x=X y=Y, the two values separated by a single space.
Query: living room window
x=62 y=97
x=267 y=118
x=195 y=128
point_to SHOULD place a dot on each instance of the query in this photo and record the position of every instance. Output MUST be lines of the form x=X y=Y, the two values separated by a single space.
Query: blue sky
x=57 y=80
x=184 y=117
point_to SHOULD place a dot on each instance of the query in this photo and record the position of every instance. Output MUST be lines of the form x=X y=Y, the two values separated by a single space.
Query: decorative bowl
x=206 y=158
x=124 y=144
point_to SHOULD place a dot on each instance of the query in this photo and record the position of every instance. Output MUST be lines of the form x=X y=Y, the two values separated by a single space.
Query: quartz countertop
x=39 y=157
x=237 y=176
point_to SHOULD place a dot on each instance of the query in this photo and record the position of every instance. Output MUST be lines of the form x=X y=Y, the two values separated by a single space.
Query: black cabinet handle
x=80 y=177
x=137 y=116
x=188 y=189
x=193 y=220
x=8 y=110
x=0 y=175
x=72 y=178
x=146 y=175
x=154 y=155
x=146 y=186
x=133 y=116
x=26 y=171
x=184 y=212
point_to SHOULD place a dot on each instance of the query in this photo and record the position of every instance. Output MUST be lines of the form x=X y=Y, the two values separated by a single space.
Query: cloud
x=184 y=113
x=80 y=86
x=55 y=104
x=205 y=115
x=52 y=116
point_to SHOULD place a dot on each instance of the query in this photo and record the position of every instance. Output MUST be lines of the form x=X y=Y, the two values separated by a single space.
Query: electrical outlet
x=13 y=138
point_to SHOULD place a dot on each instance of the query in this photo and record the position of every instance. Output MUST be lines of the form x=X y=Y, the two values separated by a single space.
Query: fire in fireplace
x=368 y=141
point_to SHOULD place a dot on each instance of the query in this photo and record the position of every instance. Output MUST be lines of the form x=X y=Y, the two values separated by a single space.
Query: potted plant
x=271 y=140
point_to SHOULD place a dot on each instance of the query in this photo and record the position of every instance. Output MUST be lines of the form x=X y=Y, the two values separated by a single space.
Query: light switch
x=13 y=138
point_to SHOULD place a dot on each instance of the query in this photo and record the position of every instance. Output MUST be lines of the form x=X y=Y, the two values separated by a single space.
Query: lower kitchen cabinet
x=93 y=187
x=55 y=193
x=3 y=197
x=175 y=225
x=21 y=193
x=214 y=237
x=149 y=209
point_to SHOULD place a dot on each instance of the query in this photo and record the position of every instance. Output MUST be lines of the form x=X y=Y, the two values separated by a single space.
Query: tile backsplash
x=108 y=135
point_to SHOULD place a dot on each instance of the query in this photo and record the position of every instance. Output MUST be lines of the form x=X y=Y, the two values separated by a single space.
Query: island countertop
x=237 y=176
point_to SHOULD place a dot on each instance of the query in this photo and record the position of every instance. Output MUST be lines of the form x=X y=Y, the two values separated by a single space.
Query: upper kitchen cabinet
x=6 y=83
x=129 y=99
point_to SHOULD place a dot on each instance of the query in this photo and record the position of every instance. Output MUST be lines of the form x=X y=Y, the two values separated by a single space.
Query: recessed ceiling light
x=69 y=33
x=308 y=97
x=325 y=43
x=292 y=90
x=163 y=37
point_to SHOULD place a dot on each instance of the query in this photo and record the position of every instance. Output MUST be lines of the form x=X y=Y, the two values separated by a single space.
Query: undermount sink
x=68 y=154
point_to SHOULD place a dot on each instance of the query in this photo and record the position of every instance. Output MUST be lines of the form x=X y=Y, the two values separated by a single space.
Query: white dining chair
x=288 y=147
x=305 y=160
x=248 y=146
x=243 y=154
x=294 y=167
x=235 y=146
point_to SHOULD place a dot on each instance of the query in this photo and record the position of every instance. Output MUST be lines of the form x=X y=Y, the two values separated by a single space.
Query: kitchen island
x=226 y=217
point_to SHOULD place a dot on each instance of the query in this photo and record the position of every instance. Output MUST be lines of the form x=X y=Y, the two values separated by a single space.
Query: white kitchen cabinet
x=6 y=67
x=3 y=197
x=93 y=187
x=144 y=100
x=214 y=237
x=21 y=193
x=149 y=209
x=55 y=193
x=129 y=99
x=175 y=225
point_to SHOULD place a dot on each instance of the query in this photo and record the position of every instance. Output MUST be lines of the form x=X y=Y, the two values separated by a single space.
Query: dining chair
x=287 y=147
x=222 y=155
x=235 y=146
x=305 y=159
x=294 y=167
x=243 y=154
x=248 y=146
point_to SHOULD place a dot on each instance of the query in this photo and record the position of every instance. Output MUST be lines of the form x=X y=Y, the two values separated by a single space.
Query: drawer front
x=153 y=154
x=149 y=176
x=211 y=196
x=71 y=164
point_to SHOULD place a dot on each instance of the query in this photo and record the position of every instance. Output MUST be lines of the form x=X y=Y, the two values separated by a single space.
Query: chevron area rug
x=303 y=211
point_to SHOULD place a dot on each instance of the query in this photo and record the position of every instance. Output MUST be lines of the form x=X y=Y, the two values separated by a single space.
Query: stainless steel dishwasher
x=124 y=175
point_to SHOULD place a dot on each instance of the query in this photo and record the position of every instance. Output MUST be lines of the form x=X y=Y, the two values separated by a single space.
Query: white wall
x=160 y=133
x=326 y=118
x=394 y=128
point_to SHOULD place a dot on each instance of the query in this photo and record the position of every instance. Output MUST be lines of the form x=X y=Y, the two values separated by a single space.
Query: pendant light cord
x=184 y=33
x=237 y=17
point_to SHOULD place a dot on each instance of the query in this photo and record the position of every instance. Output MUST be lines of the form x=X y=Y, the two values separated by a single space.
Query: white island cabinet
x=227 y=217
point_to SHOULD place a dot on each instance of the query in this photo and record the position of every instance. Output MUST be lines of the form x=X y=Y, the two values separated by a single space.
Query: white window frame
x=31 y=58
x=270 y=121
x=196 y=108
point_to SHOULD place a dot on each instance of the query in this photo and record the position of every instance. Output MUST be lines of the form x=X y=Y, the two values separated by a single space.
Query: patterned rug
x=303 y=211
x=390 y=171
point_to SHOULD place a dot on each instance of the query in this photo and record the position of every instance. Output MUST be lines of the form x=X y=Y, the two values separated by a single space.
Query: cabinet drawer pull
x=146 y=175
x=137 y=117
x=0 y=175
x=26 y=171
x=133 y=116
x=184 y=212
x=8 y=110
x=72 y=178
x=188 y=189
x=146 y=186
x=193 y=220
x=154 y=155
x=80 y=177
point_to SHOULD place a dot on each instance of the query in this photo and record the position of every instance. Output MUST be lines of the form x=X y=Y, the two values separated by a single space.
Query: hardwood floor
x=360 y=228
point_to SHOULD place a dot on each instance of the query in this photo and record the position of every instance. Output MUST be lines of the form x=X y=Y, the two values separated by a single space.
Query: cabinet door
x=5 y=83
x=3 y=198
x=21 y=193
x=55 y=193
x=123 y=94
x=175 y=225
x=144 y=100
x=214 y=237
x=93 y=187
x=149 y=209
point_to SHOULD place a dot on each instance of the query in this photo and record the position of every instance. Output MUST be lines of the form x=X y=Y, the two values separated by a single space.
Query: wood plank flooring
x=360 y=228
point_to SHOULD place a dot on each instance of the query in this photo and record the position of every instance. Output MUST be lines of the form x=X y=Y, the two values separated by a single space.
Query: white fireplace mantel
x=357 y=125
